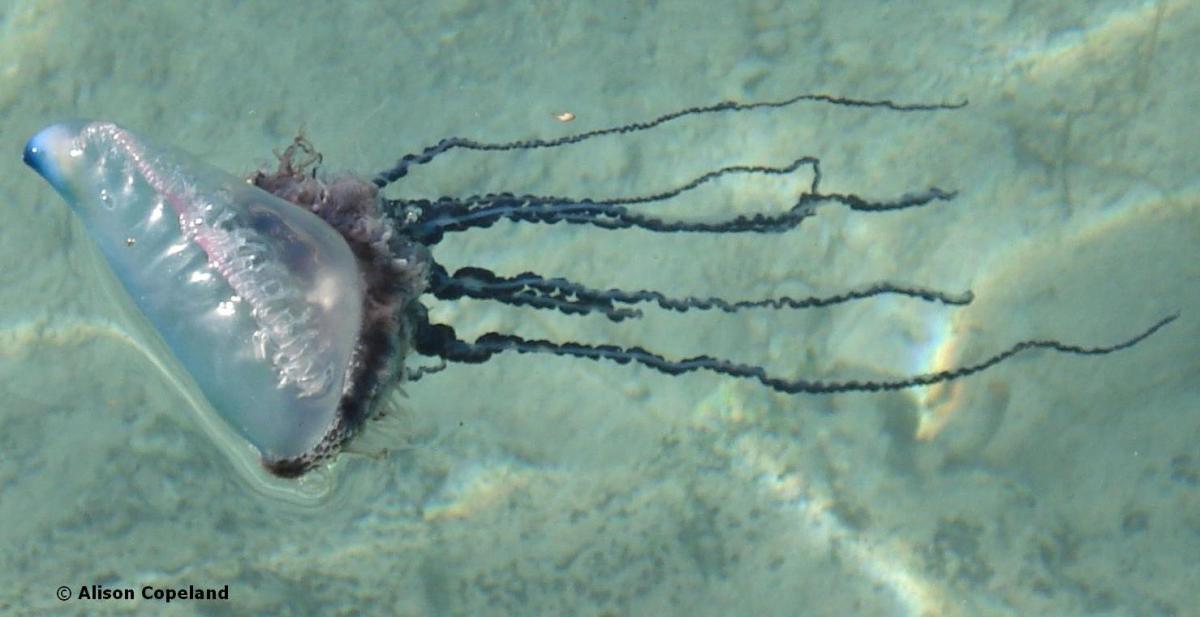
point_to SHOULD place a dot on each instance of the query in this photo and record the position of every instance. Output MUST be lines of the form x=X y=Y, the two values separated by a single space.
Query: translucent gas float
x=273 y=312
x=291 y=299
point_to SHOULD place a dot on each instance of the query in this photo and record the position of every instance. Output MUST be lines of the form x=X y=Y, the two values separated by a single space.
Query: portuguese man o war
x=293 y=297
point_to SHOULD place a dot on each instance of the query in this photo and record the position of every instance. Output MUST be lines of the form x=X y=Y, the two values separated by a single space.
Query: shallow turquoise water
x=1058 y=486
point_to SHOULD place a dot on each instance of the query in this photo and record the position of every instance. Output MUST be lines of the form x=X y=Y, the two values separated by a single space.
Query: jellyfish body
x=259 y=300
x=292 y=298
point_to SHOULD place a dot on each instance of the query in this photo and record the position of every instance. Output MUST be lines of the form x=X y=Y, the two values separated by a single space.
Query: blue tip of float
x=43 y=150
x=35 y=153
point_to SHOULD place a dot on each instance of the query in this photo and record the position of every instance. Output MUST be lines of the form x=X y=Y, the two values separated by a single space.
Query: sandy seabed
x=1049 y=485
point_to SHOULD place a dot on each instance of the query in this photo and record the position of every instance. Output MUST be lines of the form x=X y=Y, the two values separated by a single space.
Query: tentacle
x=525 y=289
x=441 y=341
x=428 y=221
x=432 y=220
x=400 y=169
x=415 y=373
x=534 y=290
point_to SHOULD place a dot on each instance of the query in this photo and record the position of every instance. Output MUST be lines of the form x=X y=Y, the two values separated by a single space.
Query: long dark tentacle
x=427 y=221
x=400 y=169
x=534 y=290
x=432 y=220
x=441 y=341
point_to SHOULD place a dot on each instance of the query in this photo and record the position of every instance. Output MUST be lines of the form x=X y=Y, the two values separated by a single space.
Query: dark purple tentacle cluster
x=426 y=222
